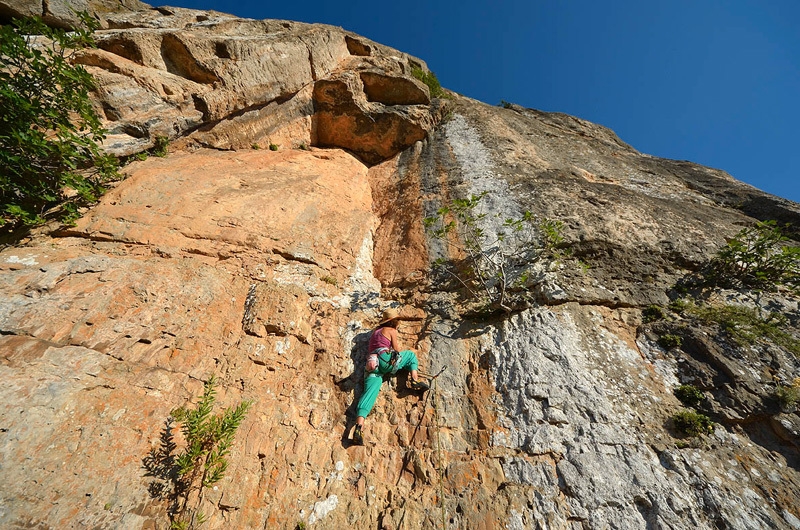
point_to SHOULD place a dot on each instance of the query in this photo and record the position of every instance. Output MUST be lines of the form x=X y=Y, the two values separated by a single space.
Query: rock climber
x=384 y=356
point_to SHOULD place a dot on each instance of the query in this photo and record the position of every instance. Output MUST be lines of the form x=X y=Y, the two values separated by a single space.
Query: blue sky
x=711 y=81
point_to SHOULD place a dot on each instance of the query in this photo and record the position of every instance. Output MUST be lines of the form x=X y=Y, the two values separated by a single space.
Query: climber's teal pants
x=374 y=380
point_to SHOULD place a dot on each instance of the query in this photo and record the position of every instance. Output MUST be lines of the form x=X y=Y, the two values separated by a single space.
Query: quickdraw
x=431 y=376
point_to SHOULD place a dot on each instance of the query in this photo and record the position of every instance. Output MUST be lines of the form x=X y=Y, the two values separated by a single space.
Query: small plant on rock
x=183 y=477
x=788 y=396
x=160 y=145
x=429 y=78
x=679 y=306
x=757 y=257
x=496 y=267
x=273 y=147
x=689 y=395
x=692 y=423
x=745 y=326
x=652 y=313
x=670 y=341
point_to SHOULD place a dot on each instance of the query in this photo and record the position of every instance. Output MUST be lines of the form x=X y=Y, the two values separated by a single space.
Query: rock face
x=269 y=268
x=62 y=13
x=214 y=80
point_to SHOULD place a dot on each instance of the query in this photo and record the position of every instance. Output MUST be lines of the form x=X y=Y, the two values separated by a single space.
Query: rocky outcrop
x=214 y=80
x=62 y=13
x=269 y=268
x=351 y=113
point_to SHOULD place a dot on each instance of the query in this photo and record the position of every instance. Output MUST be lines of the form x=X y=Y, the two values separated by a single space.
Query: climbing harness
x=394 y=358
x=374 y=358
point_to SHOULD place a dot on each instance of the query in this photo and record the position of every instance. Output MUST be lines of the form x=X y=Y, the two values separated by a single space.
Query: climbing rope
x=438 y=450
x=431 y=395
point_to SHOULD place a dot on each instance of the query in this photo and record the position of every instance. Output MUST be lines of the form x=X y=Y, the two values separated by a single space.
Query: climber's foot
x=419 y=386
x=358 y=438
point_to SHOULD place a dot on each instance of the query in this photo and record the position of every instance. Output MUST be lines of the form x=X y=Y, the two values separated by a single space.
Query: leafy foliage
x=48 y=128
x=160 y=147
x=689 y=395
x=203 y=461
x=652 y=313
x=679 y=306
x=208 y=438
x=496 y=268
x=429 y=78
x=788 y=396
x=745 y=326
x=757 y=257
x=692 y=423
x=670 y=341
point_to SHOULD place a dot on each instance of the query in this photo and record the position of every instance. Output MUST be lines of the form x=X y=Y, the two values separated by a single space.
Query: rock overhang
x=213 y=80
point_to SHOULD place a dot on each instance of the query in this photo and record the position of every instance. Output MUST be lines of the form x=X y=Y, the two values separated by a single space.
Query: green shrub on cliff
x=496 y=268
x=689 y=395
x=692 y=423
x=182 y=478
x=788 y=396
x=746 y=326
x=670 y=341
x=652 y=313
x=757 y=257
x=429 y=78
x=48 y=127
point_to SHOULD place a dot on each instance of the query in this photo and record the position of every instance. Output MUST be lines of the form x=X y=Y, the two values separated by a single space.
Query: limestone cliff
x=269 y=267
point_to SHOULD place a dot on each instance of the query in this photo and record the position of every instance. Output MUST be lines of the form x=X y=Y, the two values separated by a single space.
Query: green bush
x=678 y=306
x=669 y=341
x=652 y=313
x=745 y=326
x=692 y=423
x=788 y=396
x=429 y=78
x=689 y=395
x=48 y=128
x=756 y=257
x=159 y=148
x=182 y=478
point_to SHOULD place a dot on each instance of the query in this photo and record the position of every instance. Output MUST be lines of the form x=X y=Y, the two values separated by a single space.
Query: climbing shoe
x=358 y=438
x=419 y=386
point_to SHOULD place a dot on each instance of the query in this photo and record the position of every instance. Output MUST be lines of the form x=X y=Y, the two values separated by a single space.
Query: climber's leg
x=372 y=387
